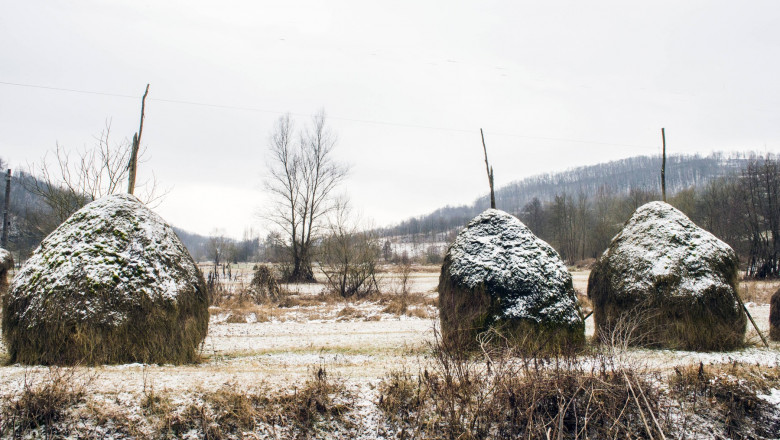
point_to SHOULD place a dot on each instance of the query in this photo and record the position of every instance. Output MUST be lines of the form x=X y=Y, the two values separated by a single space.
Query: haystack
x=498 y=274
x=665 y=282
x=774 y=317
x=112 y=284
x=6 y=264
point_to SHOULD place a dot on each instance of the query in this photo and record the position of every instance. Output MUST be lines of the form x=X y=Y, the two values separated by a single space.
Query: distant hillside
x=619 y=177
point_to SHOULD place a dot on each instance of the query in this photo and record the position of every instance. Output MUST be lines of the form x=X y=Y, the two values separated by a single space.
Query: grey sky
x=534 y=75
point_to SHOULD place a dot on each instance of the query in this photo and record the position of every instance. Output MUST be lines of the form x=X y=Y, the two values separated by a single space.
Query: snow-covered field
x=360 y=347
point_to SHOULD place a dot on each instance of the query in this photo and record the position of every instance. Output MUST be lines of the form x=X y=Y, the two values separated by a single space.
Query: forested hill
x=617 y=178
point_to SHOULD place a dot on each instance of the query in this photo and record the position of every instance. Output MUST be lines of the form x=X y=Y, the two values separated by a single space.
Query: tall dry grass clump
x=506 y=394
x=43 y=402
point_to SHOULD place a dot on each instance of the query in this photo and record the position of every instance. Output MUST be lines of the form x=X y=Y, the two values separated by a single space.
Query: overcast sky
x=406 y=85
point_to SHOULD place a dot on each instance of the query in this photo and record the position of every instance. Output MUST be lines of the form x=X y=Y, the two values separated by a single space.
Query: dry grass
x=503 y=394
x=349 y=313
x=759 y=292
x=43 y=401
x=728 y=394
x=326 y=306
x=230 y=411
x=498 y=394
x=55 y=406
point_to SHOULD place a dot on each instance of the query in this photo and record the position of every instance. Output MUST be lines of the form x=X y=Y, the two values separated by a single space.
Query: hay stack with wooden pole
x=498 y=274
x=112 y=284
x=665 y=282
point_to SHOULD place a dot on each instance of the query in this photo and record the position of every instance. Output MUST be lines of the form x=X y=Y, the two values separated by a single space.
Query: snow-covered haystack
x=498 y=274
x=6 y=264
x=774 y=317
x=112 y=284
x=666 y=282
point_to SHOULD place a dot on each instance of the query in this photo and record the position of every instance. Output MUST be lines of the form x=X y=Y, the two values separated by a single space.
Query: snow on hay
x=669 y=283
x=112 y=284
x=498 y=274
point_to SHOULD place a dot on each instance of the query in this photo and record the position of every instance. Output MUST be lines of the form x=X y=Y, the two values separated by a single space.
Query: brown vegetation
x=43 y=401
x=774 y=317
x=708 y=324
x=500 y=393
x=55 y=408
x=466 y=313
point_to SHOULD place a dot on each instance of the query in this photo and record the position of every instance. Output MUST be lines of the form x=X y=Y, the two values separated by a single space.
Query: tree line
x=741 y=208
x=640 y=173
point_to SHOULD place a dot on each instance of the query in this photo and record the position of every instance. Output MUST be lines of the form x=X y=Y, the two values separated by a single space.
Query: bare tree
x=761 y=198
x=349 y=256
x=73 y=180
x=302 y=177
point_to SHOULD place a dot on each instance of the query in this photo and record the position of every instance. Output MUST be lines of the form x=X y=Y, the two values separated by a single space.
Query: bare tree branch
x=301 y=179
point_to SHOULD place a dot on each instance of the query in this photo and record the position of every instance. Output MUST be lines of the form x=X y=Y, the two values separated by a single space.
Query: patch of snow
x=773 y=397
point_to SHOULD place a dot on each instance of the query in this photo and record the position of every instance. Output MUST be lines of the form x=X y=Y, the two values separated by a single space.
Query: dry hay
x=774 y=317
x=498 y=275
x=264 y=285
x=112 y=284
x=673 y=283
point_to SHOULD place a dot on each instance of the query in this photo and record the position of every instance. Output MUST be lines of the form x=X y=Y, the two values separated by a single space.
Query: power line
x=362 y=121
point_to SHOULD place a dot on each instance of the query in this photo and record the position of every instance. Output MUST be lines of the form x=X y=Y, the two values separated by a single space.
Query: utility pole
x=663 y=166
x=489 y=172
x=133 y=165
x=6 y=204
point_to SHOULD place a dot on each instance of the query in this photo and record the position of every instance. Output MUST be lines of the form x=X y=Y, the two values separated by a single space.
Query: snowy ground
x=360 y=348
x=357 y=348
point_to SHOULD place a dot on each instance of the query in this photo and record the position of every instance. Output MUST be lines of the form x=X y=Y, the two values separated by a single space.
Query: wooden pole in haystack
x=663 y=166
x=133 y=165
x=489 y=172
x=6 y=205
x=747 y=312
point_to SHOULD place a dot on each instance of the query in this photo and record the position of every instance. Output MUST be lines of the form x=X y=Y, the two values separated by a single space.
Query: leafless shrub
x=349 y=257
x=72 y=182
